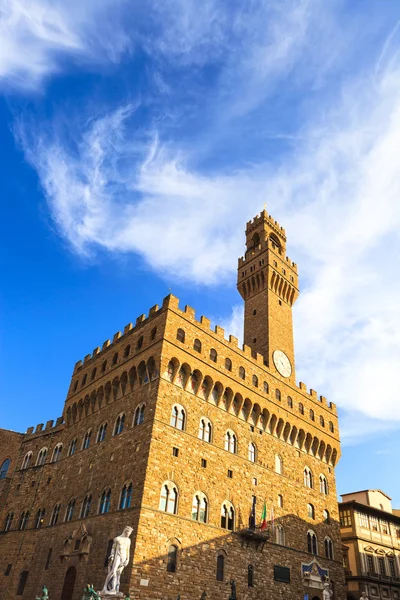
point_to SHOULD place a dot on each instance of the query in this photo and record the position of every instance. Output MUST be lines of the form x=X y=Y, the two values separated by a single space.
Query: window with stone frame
x=301 y=408
x=41 y=459
x=105 y=502
x=278 y=395
x=139 y=415
x=101 y=434
x=86 y=440
x=27 y=460
x=322 y=421
x=180 y=335
x=172 y=558
x=252 y=452
x=278 y=464
x=230 y=442
x=392 y=567
x=323 y=485
x=228 y=364
x=70 y=510
x=39 y=520
x=4 y=468
x=126 y=496
x=308 y=478
x=23 y=521
x=119 y=424
x=312 y=415
x=169 y=498
x=227 y=516
x=312 y=545
x=374 y=523
x=205 y=430
x=213 y=355
x=197 y=345
x=242 y=373
x=200 y=507
x=255 y=380
x=382 y=565
x=8 y=521
x=328 y=547
x=290 y=402
x=85 y=510
x=331 y=427
x=370 y=564
x=280 y=534
x=310 y=511
x=220 y=567
x=178 y=417
x=55 y=514
x=72 y=447
x=384 y=527
x=266 y=387
x=57 y=453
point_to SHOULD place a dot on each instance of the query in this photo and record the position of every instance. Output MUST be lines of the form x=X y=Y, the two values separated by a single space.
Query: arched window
x=227 y=516
x=326 y=517
x=213 y=355
x=70 y=510
x=278 y=395
x=328 y=547
x=169 y=498
x=41 y=459
x=220 y=567
x=231 y=441
x=312 y=542
x=139 y=343
x=86 y=440
x=76 y=385
x=27 y=460
x=310 y=511
x=252 y=452
x=172 y=558
x=266 y=388
x=289 y=402
x=39 y=518
x=323 y=485
x=101 y=434
x=308 y=478
x=23 y=520
x=72 y=447
x=84 y=378
x=205 y=430
x=104 y=366
x=57 y=453
x=178 y=417
x=105 y=501
x=93 y=375
x=200 y=507
x=119 y=424
x=280 y=535
x=85 y=510
x=55 y=514
x=4 y=468
x=242 y=373
x=8 y=522
x=301 y=408
x=255 y=380
x=115 y=359
x=153 y=333
x=127 y=351
x=228 y=364
x=312 y=416
x=278 y=464
x=138 y=419
x=197 y=345
x=322 y=421
x=180 y=335
x=126 y=496
x=250 y=576
x=331 y=427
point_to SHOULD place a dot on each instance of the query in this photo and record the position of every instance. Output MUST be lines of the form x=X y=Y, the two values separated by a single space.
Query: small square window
x=251 y=427
x=275 y=263
x=254 y=340
x=230 y=474
x=203 y=463
x=280 y=302
x=254 y=312
x=255 y=482
x=8 y=570
x=33 y=483
x=175 y=451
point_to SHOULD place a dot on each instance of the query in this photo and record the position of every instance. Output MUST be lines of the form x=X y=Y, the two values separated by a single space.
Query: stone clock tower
x=268 y=283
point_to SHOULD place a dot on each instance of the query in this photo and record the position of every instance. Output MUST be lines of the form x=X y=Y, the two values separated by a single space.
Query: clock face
x=282 y=363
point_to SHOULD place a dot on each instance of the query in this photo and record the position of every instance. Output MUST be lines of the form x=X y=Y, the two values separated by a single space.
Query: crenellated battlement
x=50 y=427
x=242 y=261
x=171 y=302
x=264 y=217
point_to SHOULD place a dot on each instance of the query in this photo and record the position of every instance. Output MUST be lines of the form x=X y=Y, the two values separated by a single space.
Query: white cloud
x=337 y=195
x=37 y=35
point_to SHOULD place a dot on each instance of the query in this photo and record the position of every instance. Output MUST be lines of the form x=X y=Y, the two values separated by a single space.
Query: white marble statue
x=117 y=561
x=364 y=596
x=327 y=593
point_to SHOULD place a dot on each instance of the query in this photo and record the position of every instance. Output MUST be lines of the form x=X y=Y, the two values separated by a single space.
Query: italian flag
x=264 y=517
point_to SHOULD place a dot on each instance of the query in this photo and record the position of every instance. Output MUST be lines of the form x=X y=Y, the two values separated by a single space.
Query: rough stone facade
x=193 y=403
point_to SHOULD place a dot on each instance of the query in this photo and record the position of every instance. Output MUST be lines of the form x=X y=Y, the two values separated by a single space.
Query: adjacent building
x=370 y=532
x=173 y=429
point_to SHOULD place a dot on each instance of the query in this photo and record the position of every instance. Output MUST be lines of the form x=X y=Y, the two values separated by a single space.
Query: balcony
x=255 y=535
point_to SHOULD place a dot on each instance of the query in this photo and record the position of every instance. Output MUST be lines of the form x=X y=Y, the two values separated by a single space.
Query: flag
x=264 y=517
x=272 y=519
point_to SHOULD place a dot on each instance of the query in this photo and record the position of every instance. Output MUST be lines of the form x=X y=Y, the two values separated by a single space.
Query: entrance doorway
x=316 y=598
x=69 y=584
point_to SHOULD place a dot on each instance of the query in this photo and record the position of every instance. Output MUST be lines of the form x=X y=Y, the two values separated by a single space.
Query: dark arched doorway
x=316 y=598
x=69 y=584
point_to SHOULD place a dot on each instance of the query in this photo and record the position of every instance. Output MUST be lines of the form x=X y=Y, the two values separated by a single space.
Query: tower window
x=172 y=558
x=278 y=395
x=228 y=364
x=180 y=335
x=213 y=355
x=197 y=345
x=254 y=312
x=115 y=358
x=242 y=373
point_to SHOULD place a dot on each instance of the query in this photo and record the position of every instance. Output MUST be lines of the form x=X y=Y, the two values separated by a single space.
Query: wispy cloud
x=37 y=36
x=123 y=188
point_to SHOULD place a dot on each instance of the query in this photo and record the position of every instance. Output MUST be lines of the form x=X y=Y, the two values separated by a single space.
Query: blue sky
x=137 y=138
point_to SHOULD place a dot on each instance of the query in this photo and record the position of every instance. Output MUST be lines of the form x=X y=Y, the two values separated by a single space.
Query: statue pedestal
x=106 y=595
